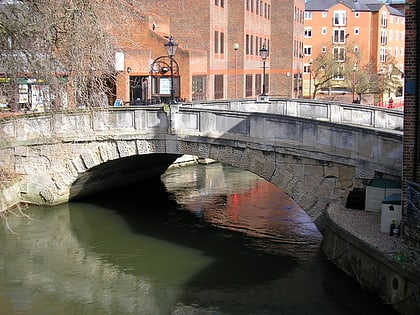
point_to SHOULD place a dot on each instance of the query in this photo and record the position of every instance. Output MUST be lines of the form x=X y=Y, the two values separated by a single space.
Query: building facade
x=411 y=145
x=219 y=50
x=360 y=35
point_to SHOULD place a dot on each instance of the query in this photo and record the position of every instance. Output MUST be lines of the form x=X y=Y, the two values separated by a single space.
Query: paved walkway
x=366 y=225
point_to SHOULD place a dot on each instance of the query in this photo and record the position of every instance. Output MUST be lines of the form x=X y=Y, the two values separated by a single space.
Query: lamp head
x=263 y=52
x=171 y=47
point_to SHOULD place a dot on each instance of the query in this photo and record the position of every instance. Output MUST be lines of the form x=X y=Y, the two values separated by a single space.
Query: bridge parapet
x=340 y=113
x=361 y=147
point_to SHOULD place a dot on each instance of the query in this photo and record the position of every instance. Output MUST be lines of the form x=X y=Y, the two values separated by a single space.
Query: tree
x=323 y=69
x=364 y=80
x=333 y=63
x=68 y=46
x=391 y=76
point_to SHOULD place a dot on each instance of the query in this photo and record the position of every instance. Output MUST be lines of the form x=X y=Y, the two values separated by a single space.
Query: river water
x=205 y=239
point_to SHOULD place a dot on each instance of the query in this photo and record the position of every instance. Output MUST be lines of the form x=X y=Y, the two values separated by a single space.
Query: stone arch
x=78 y=170
x=311 y=183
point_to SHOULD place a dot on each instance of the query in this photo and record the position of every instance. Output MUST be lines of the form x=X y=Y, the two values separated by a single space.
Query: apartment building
x=369 y=34
x=218 y=56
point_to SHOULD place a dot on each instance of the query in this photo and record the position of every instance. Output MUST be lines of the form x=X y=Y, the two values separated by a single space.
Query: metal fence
x=413 y=212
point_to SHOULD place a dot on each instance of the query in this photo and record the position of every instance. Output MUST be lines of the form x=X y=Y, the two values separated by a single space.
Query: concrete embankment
x=382 y=264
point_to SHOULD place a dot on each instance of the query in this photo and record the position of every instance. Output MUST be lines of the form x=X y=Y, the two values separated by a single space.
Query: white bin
x=377 y=190
x=390 y=210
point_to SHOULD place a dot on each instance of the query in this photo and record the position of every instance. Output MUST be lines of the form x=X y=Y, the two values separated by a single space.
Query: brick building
x=411 y=157
x=218 y=55
x=365 y=33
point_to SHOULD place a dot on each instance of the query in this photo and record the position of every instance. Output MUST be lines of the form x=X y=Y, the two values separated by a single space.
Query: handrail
x=413 y=210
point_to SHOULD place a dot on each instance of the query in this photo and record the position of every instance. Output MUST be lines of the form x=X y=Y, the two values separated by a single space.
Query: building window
x=324 y=49
x=306 y=68
x=356 y=14
x=382 y=54
x=356 y=49
x=324 y=31
x=339 y=18
x=356 y=30
x=222 y=42
x=339 y=53
x=247 y=44
x=218 y=86
x=220 y=3
x=384 y=20
x=198 y=88
x=257 y=42
x=258 y=83
x=308 y=15
x=307 y=50
x=339 y=36
x=248 y=85
x=308 y=32
x=219 y=42
x=216 y=42
x=383 y=37
x=339 y=73
x=324 y=14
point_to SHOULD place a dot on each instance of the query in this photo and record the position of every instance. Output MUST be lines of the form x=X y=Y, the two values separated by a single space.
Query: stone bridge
x=315 y=152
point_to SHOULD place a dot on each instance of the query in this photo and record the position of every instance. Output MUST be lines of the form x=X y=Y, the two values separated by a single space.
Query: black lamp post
x=264 y=55
x=354 y=80
x=171 y=48
x=310 y=79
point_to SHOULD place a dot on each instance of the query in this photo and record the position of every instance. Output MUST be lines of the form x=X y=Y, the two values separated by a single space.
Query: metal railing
x=413 y=211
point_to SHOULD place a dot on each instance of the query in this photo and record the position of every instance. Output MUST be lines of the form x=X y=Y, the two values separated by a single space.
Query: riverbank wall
x=382 y=264
x=10 y=194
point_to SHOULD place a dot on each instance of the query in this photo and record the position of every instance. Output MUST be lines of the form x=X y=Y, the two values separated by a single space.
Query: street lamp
x=171 y=48
x=354 y=79
x=264 y=55
x=381 y=89
x=299 y=84
x=236 y=47
x=310 y=79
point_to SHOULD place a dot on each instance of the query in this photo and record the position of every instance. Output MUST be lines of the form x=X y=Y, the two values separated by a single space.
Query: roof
x=354 y=5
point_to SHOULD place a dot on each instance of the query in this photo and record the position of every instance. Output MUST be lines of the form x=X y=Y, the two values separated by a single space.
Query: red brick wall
x=193 y=24
x=411 y=159
x=287 y=27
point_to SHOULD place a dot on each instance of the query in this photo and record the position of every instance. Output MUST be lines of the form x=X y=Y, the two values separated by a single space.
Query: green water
x=202 y=240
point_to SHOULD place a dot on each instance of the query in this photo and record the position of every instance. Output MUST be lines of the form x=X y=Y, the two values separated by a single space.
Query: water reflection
x=208 y=240
x=245 y=203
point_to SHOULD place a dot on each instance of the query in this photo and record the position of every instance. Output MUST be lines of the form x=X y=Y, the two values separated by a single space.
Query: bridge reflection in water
x=213 y=240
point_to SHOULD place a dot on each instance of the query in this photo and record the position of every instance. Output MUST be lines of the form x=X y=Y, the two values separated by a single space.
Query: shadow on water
x=150 y=210
x=239 y=275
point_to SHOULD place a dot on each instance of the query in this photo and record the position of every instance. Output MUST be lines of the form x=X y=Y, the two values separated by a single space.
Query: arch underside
x=89 y=167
